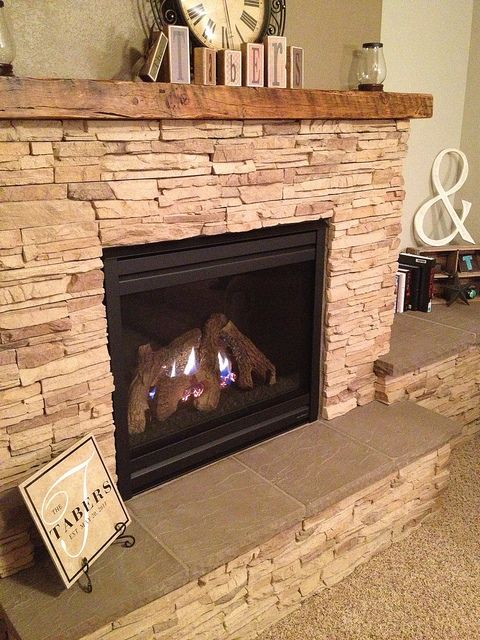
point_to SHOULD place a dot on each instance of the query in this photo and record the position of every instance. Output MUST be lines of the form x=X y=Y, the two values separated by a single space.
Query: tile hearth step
x=420 y=339
x=434 y=360
x=234 y=510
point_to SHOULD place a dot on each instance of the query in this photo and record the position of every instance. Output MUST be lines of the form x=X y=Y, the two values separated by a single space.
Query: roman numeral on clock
x=252 y=3
x=249 y=20
x=209 y=30
x=196 y=13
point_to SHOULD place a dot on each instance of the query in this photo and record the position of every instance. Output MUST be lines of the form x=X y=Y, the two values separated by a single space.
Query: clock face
x=225 y=24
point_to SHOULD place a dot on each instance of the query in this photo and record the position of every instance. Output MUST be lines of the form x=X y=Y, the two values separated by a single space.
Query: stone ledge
x=276 y=501
x=420 y=339
x=434 y=361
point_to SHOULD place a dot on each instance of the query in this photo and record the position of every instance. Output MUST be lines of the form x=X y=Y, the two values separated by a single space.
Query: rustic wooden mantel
x=29 y=98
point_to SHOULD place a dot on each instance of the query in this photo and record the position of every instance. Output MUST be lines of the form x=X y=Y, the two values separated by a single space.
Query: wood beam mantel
x=28 y=98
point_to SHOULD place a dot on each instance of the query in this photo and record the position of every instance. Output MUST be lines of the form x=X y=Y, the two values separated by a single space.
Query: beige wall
x=102 y=38
x=78 y=39
x=331 y=31
x=471 y=127
x=427 y=47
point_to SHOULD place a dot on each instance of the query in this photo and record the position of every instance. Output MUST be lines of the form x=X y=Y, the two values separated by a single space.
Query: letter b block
x=253 y=64
x=275 y=61
x=229 y=68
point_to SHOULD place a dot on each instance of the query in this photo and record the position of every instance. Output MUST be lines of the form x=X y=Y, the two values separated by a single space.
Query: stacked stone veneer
x=450 y=387
x=241 y=598
x=69 y=188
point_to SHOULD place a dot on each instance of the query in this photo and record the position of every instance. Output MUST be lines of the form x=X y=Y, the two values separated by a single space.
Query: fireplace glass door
x=214 y=345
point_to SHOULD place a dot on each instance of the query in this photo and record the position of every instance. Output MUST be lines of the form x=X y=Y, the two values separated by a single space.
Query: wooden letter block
x=275 y=61
x=253 y=64
x=205 y=66
x=295 y=68
x=229 y=68
x=150 y=69
x=177 y=61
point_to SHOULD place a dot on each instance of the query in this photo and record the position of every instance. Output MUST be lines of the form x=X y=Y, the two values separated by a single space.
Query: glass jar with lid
x=372 y=69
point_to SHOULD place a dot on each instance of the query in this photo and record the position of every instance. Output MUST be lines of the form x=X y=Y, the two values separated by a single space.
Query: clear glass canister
x=7 y=44
x=372 y=69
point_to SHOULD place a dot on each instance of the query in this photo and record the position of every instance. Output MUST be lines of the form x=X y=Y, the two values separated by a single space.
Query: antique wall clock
x=223 y=24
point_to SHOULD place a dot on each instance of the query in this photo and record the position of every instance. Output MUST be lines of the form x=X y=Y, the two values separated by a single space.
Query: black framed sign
x=76 y=507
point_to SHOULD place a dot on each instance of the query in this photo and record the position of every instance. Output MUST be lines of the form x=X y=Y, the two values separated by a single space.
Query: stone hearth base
x=434 y=360
x=245 y=596
x=256 y=534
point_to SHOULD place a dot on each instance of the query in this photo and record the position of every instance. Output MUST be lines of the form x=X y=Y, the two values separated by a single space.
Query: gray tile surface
x=40 y=608
x=317 y=465
x=458 y=316
x=403 y=431
x=214 y=514
x=418 y=340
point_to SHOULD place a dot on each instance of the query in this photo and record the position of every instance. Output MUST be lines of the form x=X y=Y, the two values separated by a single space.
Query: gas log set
x=195 y=367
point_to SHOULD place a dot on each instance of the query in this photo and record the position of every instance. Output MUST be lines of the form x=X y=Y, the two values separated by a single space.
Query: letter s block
x=295 y=68
x=275 y=61
x=176 y=66
x=253 y=64
x=229 y=68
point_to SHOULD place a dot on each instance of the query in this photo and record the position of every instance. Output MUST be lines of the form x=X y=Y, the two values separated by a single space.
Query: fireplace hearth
x=215 y=345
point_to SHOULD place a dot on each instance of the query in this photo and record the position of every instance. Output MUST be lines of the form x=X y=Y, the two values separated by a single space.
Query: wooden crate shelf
x=450 y=261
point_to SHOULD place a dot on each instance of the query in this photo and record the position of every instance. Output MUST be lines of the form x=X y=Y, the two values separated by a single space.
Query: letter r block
x=253 y=64
x=275 y=61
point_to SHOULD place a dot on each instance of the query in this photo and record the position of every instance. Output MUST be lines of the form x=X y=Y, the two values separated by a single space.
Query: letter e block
x=205 y=66
x=275 y=61
x=229 y=68
x=253 y=64
x=295 y=68
x=177 y=61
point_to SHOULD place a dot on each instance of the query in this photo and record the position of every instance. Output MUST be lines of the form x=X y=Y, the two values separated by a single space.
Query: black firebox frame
x=141 y=268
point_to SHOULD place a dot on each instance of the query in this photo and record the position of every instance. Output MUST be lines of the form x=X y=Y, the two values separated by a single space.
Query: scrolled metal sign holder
x=126 y=541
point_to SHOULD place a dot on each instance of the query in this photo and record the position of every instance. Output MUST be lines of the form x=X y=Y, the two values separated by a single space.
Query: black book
x=421 y=267
x=411 y=304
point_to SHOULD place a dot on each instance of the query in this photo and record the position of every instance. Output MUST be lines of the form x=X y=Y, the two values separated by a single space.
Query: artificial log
x=153 y=367
x=208 y=373
x=248 y=358
x=164 y=369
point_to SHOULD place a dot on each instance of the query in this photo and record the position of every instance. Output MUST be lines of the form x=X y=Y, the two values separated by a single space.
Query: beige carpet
x=426 y=587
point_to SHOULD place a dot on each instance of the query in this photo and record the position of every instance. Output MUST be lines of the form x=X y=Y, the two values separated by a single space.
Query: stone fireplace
x=73 y=189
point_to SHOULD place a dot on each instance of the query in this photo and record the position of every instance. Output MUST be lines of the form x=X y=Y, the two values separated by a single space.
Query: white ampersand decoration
x=443 y=195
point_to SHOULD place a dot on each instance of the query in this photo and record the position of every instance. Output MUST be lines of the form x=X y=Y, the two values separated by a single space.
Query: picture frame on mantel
x=151 y=68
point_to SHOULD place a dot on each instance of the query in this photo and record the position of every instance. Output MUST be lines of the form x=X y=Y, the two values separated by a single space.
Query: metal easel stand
x=126 y=541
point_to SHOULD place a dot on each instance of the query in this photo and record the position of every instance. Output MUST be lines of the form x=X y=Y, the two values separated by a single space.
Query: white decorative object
x=459 y=222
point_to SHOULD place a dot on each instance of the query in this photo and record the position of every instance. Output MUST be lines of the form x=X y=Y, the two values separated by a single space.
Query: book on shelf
x=421 y=270
x=401 y=278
